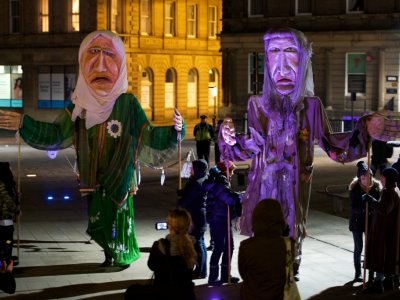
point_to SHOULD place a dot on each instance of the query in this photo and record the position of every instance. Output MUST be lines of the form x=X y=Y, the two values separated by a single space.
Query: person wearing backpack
x=204 y=134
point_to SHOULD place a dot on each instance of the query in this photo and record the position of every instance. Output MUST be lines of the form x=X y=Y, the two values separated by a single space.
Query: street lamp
x=214 y=95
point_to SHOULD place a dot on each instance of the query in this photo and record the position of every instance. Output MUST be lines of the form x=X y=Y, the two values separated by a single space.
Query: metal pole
x=366 y=219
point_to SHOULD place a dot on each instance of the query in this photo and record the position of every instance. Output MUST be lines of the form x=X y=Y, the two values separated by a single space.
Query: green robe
x=107 y=154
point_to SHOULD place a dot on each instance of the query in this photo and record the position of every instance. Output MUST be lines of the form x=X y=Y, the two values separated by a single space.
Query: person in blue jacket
x=220 y=199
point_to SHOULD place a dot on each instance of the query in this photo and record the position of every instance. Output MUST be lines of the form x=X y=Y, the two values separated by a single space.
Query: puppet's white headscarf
x=87 y=102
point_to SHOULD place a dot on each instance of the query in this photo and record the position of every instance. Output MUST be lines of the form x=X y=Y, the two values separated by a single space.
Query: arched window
x=170 y=88
x=146 y=92
x=213 y=92
x=192 y=88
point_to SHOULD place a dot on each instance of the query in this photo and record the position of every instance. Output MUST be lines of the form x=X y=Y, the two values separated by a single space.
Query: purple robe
x=281 y=146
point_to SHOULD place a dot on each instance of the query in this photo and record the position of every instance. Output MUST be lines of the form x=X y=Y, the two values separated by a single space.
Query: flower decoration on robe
x=114 y=128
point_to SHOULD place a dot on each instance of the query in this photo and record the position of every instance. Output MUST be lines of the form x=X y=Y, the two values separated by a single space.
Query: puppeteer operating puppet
x=284 y=122
x=110 y=132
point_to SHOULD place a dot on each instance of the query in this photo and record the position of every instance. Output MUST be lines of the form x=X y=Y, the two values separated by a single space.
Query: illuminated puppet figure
x=284 y=122
x=110 y=132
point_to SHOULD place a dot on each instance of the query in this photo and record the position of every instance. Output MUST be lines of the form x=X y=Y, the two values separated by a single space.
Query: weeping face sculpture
x=283 y=64
x=101 y=64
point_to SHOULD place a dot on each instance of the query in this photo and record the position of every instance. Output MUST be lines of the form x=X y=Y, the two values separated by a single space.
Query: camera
x=161 y=226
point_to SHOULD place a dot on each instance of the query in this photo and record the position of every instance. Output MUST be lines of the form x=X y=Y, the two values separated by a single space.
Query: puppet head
x=288 y=72
x=102 y=76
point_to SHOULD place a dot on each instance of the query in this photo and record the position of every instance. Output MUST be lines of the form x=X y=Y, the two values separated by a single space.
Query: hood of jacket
x=200 y=168
x=267 y=219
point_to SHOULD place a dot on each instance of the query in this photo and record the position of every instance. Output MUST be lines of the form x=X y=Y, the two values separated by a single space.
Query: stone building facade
x=173 y=53
x=356 y=47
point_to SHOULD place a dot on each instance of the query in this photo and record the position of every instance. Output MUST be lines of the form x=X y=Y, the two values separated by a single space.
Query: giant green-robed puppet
x=110 y=132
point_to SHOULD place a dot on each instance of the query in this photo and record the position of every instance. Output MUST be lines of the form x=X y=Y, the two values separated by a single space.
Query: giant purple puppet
x=284 y=122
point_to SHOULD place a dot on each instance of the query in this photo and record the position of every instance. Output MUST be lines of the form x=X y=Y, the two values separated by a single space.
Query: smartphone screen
x=161 y=226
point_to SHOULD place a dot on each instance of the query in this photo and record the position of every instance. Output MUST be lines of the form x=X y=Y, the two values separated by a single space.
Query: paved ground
x=58 y=261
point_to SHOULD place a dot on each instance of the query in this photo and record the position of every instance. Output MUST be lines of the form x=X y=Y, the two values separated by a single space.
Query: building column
x=328 y=78
x=382 y=76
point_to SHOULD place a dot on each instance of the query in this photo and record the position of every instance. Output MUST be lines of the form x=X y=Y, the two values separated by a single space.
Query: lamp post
x=214 y=95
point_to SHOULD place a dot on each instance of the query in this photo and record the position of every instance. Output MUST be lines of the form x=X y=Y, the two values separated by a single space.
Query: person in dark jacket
x=383 y=249
x=220 y=199
x=363 y=183
x=9 y=209
x=172 y=259
x=262 y=257
x=194 y=200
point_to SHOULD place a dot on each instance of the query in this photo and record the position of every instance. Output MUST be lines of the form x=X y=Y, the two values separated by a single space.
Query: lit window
x=192 y=88
x=355 y=6
x=116 y=16
x=191 y=20
x=44 y=16
x=212 y=21
x=256 y=8
x=145 y=22
x=303 y=7
x=212 y=89
x=170 y=80
x=75 y=15
x=55 y=86
x=11 y=82
x=170 y=19
x=15 y=13
x=146 y=94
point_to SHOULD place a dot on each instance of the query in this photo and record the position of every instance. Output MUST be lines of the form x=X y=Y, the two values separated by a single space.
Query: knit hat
x=200 y=168
x=222 y=166
x=362 y=169
x=391 y=175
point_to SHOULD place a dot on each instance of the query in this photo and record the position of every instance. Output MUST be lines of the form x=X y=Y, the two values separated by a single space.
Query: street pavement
x=59 y=261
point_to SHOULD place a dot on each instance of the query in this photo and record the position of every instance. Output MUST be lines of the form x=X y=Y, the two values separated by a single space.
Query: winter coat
x=262 y=258
x=194 y=200
x=171 y=273
x=219 y=196
x=383 y=249
x=357 y=205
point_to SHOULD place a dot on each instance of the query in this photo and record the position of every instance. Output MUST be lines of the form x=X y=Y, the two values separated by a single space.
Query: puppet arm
x=158 y=144
x=48 y=136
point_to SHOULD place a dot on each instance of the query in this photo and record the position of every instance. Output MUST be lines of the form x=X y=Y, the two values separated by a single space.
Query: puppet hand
x=178 y=120
x=9 y=120
x=384 y=125
x=228 y=132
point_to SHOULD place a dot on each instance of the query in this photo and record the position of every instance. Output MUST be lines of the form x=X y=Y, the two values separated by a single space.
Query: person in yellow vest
x=204 y=134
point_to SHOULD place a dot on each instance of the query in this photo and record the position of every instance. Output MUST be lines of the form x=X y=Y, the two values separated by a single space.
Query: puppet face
x=100 y=65
x=283 y=64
